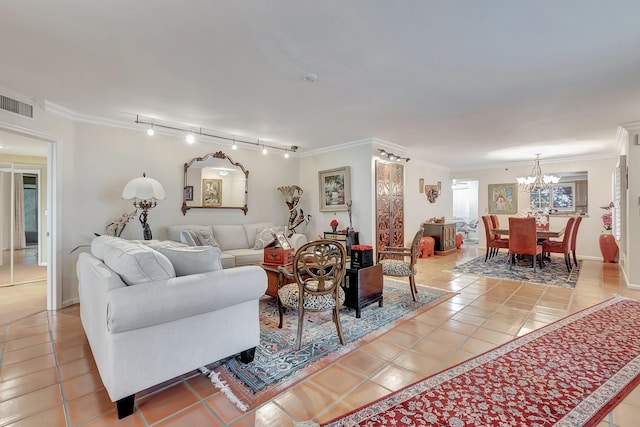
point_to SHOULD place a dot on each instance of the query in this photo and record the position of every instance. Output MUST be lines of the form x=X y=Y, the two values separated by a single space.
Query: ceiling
x=462 y=84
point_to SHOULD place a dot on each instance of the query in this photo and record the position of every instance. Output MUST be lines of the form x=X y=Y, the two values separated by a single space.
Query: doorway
x=33 y=155
x=465 y=209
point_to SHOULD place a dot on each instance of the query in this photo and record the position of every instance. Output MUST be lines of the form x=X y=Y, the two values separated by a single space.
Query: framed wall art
x=211 y=192
x=188 y=193
x=335 y=189
x=503 y=199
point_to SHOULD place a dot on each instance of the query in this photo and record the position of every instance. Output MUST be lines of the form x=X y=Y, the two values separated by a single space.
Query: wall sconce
x=433 y=191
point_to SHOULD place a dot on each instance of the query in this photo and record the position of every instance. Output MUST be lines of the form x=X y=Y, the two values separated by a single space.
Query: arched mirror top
x=215 y=181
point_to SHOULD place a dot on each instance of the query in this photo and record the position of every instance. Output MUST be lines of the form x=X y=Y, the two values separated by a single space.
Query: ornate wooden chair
x=493 y=244
x=523 y=240
x=564 y=246
x=318 y=269
x=394 y=262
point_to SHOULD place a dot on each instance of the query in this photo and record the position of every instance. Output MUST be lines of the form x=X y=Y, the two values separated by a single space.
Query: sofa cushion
x=192 y=259
x=251 y=230
x=246 y=256
x=135 y=263
x=173 y=231
x=231 y=237
x=189 y=237
x=265 y=236
x=227 y=260
x=198 y=238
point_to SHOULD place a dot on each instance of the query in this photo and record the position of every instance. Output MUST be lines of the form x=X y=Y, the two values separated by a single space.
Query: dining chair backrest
x=495 y=223
x=523 y=239
x=569 y=231
x=574 y=236
x=487 y=228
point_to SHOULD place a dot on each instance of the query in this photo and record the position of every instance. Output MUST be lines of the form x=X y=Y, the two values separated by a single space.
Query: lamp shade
x=143 y=189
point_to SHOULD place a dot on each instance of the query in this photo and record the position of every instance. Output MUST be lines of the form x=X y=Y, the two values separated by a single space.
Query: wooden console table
x=444 y=236
x=347 y=239
x=362 y=287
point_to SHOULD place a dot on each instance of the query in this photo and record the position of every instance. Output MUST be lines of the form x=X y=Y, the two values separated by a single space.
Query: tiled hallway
x=48 y=377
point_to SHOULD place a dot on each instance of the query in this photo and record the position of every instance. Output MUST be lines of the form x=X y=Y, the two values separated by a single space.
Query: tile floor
x=48 y=377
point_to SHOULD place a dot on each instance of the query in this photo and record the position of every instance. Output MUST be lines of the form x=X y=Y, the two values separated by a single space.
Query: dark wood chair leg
x=125 y=406
x=412 y=287
x=487 y=254
x=247 y=355
x=575 y=260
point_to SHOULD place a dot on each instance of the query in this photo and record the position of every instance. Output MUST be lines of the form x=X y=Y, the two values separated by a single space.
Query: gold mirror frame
x=216 y=155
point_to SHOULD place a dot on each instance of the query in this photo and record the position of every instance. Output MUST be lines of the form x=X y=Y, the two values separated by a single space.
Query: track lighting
x=286 y=155
x=391 y=156
x=190 y=137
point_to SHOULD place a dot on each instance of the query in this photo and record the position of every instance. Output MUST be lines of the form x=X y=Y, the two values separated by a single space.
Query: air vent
x=15 y=106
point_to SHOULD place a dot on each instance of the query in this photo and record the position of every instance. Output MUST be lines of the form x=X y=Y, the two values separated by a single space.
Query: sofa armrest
x=172 y=299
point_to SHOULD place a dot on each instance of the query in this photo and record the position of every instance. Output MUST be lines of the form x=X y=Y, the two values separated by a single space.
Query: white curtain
x=20 y=240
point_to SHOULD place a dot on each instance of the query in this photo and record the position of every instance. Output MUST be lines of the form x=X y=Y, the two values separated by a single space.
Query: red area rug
x=569 y=373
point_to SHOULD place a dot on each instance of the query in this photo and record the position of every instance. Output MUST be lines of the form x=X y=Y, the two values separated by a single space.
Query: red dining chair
x=576 y=225
x=493 y=244
x=495 y=223
x=564 y=246
x=523 y=240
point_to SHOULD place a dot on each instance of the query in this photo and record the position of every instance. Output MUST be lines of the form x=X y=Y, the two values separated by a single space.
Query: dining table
x=540 y=232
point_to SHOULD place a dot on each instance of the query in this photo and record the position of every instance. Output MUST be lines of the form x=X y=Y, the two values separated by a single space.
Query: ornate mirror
x=215 y=181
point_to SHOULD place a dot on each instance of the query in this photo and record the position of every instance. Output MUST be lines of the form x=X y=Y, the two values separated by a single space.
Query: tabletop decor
x=334 y=225
x=571 y=373
x=608 y=245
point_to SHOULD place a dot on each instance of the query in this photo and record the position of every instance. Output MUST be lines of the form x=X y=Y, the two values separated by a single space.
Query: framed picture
x=503 y=198
x=188 y=193
x=282 y=241
x=335 y=189
x=211 y=192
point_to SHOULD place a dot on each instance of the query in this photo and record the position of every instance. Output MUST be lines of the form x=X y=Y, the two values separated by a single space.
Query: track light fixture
x=392 y=157
x=190 y=137
x=150 y=131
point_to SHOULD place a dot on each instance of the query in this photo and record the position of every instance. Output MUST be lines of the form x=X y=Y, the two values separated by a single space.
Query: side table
x=362 y=287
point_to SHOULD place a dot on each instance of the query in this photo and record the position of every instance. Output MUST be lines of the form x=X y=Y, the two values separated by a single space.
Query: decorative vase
x=333 y=228
x=608 y=247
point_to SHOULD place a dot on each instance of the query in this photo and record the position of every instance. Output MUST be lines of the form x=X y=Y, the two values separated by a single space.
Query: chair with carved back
x=318 y=269
x=401 y=262
x=523 y=240
x=493 y=244
x=563 y=246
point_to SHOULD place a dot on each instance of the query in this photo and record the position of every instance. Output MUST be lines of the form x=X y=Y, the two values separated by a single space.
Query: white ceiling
x=462 y=84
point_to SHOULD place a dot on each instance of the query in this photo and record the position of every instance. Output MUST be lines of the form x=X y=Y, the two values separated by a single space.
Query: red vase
x=608 y=247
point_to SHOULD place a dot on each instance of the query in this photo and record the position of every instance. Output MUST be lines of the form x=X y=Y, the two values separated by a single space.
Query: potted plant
x=608 y=245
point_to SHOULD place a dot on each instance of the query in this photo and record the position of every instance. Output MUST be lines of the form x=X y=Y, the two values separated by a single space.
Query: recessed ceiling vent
x=16 y=106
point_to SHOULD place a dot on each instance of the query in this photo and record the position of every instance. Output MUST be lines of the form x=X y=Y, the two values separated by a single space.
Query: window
x=569 y=195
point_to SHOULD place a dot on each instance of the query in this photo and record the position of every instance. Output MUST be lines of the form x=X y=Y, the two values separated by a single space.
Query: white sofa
x=237 y=242
x=146 y=323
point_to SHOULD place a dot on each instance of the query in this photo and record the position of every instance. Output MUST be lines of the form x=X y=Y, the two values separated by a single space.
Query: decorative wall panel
x=389 y=205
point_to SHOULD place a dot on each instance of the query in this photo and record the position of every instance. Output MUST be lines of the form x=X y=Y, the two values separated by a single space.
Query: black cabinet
x=363 y=287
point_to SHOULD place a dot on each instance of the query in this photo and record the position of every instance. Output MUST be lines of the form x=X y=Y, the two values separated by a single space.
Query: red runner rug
x=569 y=373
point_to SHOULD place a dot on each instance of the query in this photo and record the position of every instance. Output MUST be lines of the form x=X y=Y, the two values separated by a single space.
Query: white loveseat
x=241 y=244
x=146 y=323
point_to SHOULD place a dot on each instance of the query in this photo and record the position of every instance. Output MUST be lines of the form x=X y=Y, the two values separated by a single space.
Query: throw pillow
x=189 y=237
x=265 y=237
x=206 y=238
x=193 y=260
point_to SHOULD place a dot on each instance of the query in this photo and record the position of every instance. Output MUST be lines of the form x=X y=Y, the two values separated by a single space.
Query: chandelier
x=536 y=181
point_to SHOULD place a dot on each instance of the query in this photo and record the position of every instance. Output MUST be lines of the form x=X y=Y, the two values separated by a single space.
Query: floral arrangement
x=333 y=223
x=116 y=227
x=607 y=220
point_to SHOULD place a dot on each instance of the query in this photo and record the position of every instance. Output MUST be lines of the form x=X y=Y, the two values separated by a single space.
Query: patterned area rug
x=569 y=373
x=554 y=272
x=277 y=365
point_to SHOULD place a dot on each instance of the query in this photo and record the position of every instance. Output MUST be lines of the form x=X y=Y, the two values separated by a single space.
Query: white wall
x=600 y=194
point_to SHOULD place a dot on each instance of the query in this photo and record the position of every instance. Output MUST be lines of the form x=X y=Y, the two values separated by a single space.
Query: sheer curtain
x=20 y=240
